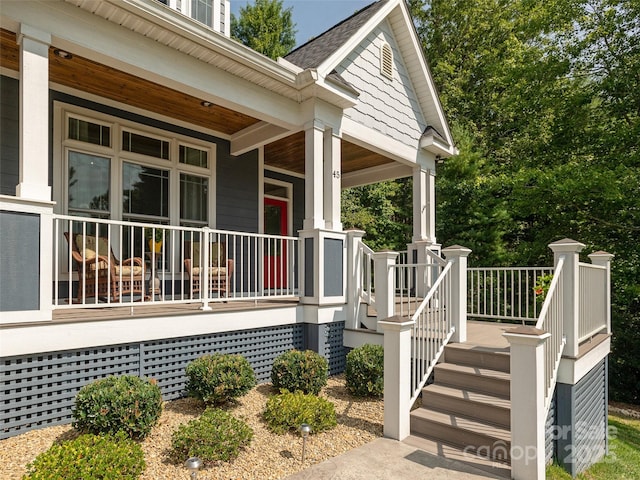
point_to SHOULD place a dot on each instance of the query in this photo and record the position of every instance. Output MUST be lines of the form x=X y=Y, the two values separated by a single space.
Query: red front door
x=275 y=260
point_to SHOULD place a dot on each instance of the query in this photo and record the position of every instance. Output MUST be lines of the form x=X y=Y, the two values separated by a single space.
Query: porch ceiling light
x=204 y=103
x=62 y=54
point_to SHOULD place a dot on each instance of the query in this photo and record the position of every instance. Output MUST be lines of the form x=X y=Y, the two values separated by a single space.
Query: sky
x=312 y=17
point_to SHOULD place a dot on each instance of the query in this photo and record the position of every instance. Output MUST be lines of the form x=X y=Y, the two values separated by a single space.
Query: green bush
x=218 y=378
x=295 y=370
x=287 y=411
x=89 y=457
x=215 y=436
x=125 y=403
x=364 y=372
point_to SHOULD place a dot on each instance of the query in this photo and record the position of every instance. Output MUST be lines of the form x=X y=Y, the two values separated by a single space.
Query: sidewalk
x=387 y=459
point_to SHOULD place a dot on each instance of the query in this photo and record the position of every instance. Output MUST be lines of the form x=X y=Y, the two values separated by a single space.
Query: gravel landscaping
x=269 y=456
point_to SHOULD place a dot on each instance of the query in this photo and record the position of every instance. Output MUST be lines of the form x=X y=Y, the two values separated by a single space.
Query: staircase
x=466 y=413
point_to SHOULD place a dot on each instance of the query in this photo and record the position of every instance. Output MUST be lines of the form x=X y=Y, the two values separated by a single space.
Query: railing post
x=603 y=259
x=423 y=275
x=458 y=305
x=384 y=284
x=528 y=415
x=204 y=269
x=397 y=376
x=570 y=250
x=354 y=276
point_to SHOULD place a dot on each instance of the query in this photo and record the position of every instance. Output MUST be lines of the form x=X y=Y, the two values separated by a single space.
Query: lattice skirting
x=39 y=390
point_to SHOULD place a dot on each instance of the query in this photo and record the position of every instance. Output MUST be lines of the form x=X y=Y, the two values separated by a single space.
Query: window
x=89 y=132
x=194 y=200
x=386 y=60
x=194 y=156
x=145 y=191
x=144 y=145
x=202 y=11
x=88 y=184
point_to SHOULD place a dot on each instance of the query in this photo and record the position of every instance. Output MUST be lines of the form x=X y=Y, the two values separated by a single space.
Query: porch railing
x=431 y=331
x=592 y=316
x=367 y=280
x=551 y=321
x=504 y=293
x=99 y=263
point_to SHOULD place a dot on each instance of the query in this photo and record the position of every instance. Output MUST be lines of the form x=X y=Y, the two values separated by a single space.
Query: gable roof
x=326 y=51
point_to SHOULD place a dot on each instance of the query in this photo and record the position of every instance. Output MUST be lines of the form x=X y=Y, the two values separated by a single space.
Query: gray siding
x=388 y=106
x=39 y=390
x=9 y=135
x=550 y=432
x=582 y=420
x=333 y=262
x=19 y=261
x=308 y=267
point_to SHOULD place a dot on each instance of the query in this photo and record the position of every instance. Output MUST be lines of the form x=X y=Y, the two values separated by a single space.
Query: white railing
x=414 y=281
x=592 y=316
x=551 y=321
x=431 y=331
x=99 y=263
x=367 y=281
x=504 y=293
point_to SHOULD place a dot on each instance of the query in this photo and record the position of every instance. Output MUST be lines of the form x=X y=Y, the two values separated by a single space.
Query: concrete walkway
x=387 y=459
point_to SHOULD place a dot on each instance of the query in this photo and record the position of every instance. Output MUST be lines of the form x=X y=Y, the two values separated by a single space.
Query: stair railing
x=367 y=280
x=551 y=321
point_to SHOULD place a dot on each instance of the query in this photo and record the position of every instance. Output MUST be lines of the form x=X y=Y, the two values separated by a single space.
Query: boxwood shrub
x=364 y=371
x=219 y=378
x=295 y=370
x=215 y=436
x=288 y=410
x=89 y=457
x=125 y=403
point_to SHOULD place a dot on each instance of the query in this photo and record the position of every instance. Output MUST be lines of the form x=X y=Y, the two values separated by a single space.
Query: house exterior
x=166 y=192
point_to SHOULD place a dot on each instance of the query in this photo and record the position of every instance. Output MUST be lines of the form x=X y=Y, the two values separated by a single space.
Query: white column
x=424 y=204
x=332 y=183
x=383 y=277
x=528 y=414
x=34 y=114
x=313 y=173
x=354 y=276
x=569 y=250
x=458 y=308
x=397 y=376
x=603 y=259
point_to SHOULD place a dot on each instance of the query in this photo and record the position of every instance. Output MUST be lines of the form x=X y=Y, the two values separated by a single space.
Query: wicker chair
x=220 y=268
x=102 y=275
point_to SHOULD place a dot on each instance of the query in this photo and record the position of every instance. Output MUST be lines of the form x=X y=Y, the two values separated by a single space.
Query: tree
x=265 y=27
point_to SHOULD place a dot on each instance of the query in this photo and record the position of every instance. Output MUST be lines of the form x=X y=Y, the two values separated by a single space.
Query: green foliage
x=295 y=370
x=266 y=27
x=219 y=378
x=125 y=403
x=364 y=371
x=89 y=457
x=288 y=410
x=541 y=288
x=215 y=436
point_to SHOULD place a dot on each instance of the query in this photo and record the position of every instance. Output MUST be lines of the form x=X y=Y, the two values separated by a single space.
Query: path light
x=193 y=464
x=305 y=430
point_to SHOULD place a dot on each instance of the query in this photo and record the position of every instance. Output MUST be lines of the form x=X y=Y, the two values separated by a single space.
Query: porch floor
x=488 y=334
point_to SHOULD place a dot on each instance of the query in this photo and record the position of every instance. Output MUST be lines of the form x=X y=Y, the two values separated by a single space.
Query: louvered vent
x=386 y=61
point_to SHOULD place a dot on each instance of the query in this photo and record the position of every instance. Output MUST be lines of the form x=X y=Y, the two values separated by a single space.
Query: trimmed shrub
x=215 y=436
x=288 y=410
x=125 y=403
x=219 y=378
x=89 y=457
x=364 y=372
x=295 y=370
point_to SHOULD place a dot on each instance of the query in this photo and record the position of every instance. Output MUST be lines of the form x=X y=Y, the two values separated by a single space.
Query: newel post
x=397 y=376
x=603 y=259
x=354 y=276
x=383 y=277
x=528 y=413
x=569 y=250
x=458 y=308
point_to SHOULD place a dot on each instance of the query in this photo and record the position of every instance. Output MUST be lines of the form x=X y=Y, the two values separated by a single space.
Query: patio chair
x=220 y=268
x=103 y=276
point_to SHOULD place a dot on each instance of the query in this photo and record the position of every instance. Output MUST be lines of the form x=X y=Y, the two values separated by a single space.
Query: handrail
x=367 y=281
x=551 y=321
x=431 y=331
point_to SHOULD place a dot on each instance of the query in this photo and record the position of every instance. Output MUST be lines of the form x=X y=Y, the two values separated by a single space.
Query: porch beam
x=34 y=114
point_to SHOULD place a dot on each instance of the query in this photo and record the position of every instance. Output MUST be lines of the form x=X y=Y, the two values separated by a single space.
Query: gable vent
x=386 y=60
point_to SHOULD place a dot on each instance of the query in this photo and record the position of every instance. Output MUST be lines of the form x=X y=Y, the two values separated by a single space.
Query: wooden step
x=472 y=436
x=467 y=403
x=482 y=380
x=443 y=449
x=494 y=358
